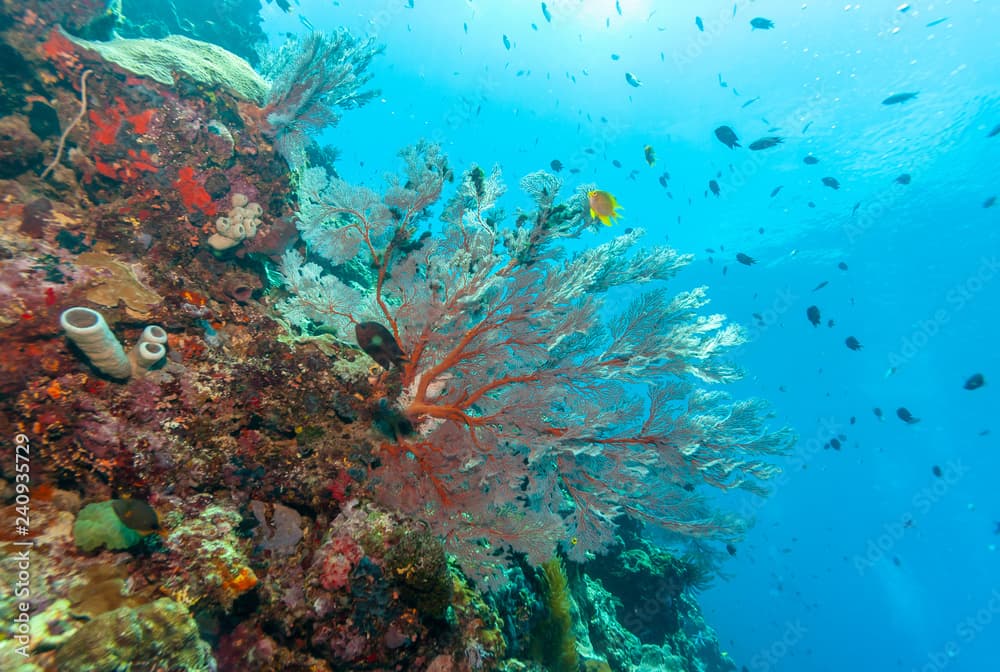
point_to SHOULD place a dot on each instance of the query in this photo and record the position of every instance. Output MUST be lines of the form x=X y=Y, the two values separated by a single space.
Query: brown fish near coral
x=379 y=344
x=136 y=515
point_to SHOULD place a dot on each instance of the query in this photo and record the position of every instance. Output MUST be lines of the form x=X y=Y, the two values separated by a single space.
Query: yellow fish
x=650 y=154
x=603 y=206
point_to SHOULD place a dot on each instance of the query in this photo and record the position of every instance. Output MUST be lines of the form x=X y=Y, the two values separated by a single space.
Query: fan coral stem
x=72 y=125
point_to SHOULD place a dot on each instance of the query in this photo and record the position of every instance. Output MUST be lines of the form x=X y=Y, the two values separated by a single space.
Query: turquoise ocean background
x=863 y=558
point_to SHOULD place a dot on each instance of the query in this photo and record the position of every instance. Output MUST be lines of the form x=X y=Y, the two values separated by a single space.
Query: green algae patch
x=98 y=525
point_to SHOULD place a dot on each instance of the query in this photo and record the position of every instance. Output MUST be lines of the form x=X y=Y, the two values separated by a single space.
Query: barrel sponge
x=88 y=330
x=203 y=62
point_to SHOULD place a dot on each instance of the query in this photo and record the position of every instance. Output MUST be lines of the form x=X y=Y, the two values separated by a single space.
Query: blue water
x=862 y=558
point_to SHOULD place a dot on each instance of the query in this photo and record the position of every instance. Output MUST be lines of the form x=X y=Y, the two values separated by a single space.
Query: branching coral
x=525 y=434
x=311 y=77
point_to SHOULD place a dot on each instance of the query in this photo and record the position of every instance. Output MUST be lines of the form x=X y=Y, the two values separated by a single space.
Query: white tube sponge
x=88 y=330
x=151 y=348
x=154 y=333
x=148 y=354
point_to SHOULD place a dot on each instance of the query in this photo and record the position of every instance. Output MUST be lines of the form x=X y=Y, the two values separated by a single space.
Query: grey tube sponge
x=147 y=354
x=150 y=349
x=88 y=330
x=154 y=333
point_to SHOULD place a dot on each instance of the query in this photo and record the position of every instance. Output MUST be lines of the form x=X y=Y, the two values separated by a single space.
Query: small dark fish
x=765 y=143
x=975 y=381
x=810 y=160
x=897 y=98
x=989 y=202
x=615 y=57
x=730 y=549
x=774 y=192
x=465 y=27
x=811 y=204
x=714 y=186
x=632 y=80
x=835 y=443
x=806 y=127
x=995 y=132
x=556 y=165
x=722 y=82
x=820 y=286
x=831 y=182
x=727 y=136
x=758 y=317
x=878 y=412
x=936 y=22
x=663 y=181
x=506 y=42
x=616 y=163
x=854 y=210
x=907 y=417
x=853 y=420
x=760 y=230
x=830 y=323
x=842 y=266
x=618 y=7
x=853 y=343
x=574 y=171
x=750 y=102
x=936 y=470
x=762 y=23
x=649 y=154
x=698 y=22
x=812 y=312
x=136 y=515
x=903 y=179
x=744 y=259
x=379 y=344
x=546 y=14
x=589 y=150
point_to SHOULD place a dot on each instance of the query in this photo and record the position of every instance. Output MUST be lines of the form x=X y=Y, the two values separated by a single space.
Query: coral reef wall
x=222 y=505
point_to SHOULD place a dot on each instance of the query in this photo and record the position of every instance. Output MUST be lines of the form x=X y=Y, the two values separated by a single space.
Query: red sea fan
x=523 y=433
